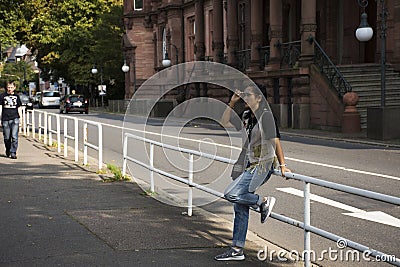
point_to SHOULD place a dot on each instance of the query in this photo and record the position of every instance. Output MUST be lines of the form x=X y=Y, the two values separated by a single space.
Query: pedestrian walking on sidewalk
x=256 y=162
x=10 y=114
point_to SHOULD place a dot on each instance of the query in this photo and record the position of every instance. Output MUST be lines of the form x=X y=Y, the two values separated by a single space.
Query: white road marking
x=374 y=216
x=320 y=199
x=345 y=169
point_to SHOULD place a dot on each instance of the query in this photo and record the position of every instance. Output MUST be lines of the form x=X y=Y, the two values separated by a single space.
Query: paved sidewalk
x=55 y=212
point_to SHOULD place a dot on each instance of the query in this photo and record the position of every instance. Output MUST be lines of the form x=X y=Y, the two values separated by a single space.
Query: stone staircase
x=365 y=80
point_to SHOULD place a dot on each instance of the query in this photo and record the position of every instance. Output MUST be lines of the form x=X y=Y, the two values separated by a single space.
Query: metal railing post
x=100 y=145
x=124 y=154
x=65 y=137
x=28 y=124
x=33 y=124
x=58 y=134
x=45 y=128
x=76 y=136
x=40 y=126
x=49 y=127
x=23 y=121
x=307 y=222
x=190 y=181
x=85 y=147
x=151 y=167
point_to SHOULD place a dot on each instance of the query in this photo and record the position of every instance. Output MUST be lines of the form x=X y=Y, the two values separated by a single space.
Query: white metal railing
x=23 y=130
x=56 y=131
x=29 y=117
x=42 y=126
x=152 y=169
x=45 y=127
x=305 y=225
x=71 y=137
x=87 y=144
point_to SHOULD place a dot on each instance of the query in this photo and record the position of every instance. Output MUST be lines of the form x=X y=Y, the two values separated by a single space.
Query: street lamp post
x=95 y=71
x=382 y=122
x=60 y=85
x=364 y=33
x=166 y=61
x=383 y=52
x=18 y=56
x=125 y=67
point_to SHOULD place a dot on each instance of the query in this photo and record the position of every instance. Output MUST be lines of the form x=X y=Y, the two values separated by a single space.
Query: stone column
x=200 y=47
x=132 y=80
x=275 y=34
x=256 y=33
x=232 y=41
x=308 y=28
x=218 y=35
x=284 y=102
x=301 y=102
x=301 y=85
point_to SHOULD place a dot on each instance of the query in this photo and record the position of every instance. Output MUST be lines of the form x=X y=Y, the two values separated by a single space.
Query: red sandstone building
x=280 y=44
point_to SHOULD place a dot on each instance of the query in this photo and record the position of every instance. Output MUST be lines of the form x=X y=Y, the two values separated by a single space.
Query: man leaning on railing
x=255 y=164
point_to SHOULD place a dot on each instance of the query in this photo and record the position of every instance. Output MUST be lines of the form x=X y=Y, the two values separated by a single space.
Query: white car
x=49 y=99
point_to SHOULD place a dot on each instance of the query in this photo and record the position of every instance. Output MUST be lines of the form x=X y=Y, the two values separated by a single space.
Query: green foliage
x=118 y=176
x=16 y=73
x=68 y=37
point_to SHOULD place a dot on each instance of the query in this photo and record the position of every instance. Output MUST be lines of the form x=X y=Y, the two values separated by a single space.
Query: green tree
x=68 y=37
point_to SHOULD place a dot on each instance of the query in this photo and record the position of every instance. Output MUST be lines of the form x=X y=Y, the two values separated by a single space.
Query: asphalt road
x=368 y=167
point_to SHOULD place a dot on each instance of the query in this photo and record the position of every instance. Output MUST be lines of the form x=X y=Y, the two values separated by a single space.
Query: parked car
x=49 y=99
x=36 y=98
x=26 y=101
x=74 y=103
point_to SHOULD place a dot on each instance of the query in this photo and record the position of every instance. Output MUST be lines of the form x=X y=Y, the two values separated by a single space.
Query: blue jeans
x=10 y=132
x=238 y=193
